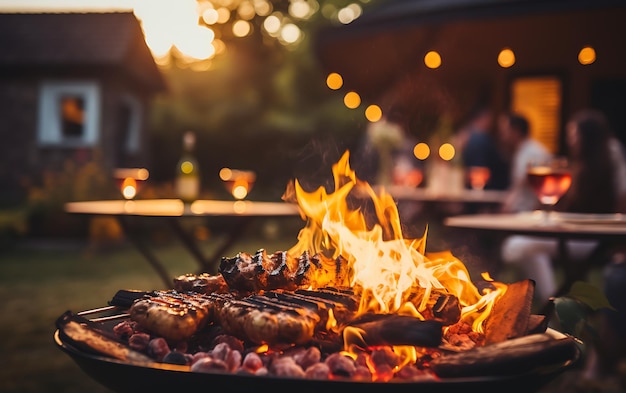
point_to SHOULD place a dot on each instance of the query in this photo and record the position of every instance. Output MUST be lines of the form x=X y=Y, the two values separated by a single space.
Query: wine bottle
x=187 y=183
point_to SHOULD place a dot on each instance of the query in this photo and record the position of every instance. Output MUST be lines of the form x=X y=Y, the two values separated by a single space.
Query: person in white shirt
x=515 y=139
x=594 y=189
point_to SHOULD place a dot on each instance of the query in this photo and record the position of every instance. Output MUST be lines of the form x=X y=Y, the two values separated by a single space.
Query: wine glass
x=478 y=177
x=130 y=180
x=405 y=173
x=238 y=182
x=549 y=179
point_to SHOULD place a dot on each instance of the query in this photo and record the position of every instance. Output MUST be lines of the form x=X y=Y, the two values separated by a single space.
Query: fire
x=391 y=273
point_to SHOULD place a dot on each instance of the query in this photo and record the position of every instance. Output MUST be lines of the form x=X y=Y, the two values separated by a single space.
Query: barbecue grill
x=133 y=376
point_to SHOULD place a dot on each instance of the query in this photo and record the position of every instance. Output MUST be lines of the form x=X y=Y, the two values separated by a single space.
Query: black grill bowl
x=125 y=377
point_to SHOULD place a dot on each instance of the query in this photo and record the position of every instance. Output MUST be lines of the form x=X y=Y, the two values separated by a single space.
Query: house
x=72 y=86
x=430 y=58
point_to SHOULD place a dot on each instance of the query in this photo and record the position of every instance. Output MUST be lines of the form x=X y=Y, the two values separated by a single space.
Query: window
x=539 y=98
x=69 y=114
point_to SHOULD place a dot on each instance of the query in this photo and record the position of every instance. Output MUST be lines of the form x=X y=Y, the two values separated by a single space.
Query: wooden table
x=608 y=230
x=172 y=210
x=469 y=196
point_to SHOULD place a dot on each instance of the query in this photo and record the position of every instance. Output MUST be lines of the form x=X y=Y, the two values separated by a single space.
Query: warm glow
x=246 y=10
x=210 y=16
x=223 y=15
x=129 y=188
x=226 y=174
x=130 y=180
x=290 y=33
x=432 y=60
x=135 y=173
x=334 y=81
x=300 y=9
x=392 y=274
x=173 y=23
x=352 y=100
x=271 y=24
x=186 y=167
x=350 y=13
x=446 y=152
x=421 y=151
x=373 y=113
x=240 y=191
x=506 y=58
x=587 y=55
x=237 y=182
x=242 y=28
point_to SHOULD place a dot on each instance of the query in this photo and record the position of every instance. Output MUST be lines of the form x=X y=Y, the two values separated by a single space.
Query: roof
x=112 y=39
x=381 y=48
x=396 y=14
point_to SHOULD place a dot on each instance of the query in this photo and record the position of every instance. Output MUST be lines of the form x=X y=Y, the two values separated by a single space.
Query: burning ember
x=352 y=299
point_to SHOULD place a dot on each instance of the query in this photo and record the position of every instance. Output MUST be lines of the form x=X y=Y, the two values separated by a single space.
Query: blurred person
x=517 y=143
x=479 y=149
x=594 y=189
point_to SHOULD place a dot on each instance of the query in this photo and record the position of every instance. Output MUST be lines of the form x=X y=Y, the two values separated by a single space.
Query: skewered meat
x=172 y=315
x=252 y=273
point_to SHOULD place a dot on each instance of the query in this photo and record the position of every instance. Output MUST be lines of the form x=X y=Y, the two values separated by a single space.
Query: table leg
x=147 y=253
x=189 y=242
x=209 y=264
x=235 y=234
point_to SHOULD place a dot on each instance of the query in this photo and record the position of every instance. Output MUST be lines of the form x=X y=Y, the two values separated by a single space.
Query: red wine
x=549 y=184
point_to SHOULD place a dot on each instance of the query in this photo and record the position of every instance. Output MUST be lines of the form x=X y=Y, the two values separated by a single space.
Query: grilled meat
x=172 y=315
x=201 y=283
x=283 y=317
x=252 y=273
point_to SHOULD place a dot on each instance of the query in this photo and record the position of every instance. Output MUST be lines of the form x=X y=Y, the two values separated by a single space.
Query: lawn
x=39 y=281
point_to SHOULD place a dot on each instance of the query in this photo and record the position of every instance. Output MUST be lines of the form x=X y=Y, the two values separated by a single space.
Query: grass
x=39 y=282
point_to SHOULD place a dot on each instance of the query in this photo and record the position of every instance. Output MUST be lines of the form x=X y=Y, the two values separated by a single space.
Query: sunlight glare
x=167 y=23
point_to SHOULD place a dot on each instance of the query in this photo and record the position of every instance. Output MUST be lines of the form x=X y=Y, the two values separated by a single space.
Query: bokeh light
x=373 y=113
x=352 y=100
x=506 y=58
x=447 y=152
x=587 y=55
x=334 y=81
x=432 y=60
x=421 y=151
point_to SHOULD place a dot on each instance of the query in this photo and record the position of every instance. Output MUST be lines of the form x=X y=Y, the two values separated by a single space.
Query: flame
x=392 y=274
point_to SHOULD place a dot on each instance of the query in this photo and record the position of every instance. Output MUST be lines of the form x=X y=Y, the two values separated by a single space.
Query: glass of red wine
x=478 y=177
x=550 y=179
